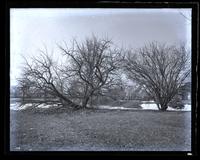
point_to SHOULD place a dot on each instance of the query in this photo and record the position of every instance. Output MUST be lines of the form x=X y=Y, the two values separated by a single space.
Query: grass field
x=98 y=130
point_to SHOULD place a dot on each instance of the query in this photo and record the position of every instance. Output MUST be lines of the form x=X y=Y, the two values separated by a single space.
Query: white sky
x=30 y=29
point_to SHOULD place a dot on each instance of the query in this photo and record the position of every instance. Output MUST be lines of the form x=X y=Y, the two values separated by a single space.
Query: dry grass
x=101 y=130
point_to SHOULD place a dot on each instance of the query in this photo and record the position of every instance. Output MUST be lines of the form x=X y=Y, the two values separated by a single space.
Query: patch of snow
x=172 y=109
x=145 y=107
x=14 y=106
x=115 y=107
x=149 y=106
x=154 y=107
x=187 y=107
x=17 y=106
x=43 y=105
x=25 y=106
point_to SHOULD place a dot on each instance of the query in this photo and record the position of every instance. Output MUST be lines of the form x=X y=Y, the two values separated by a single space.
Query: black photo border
x=103 y=4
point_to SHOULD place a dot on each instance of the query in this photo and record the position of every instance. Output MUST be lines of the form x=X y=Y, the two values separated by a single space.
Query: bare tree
x=45 y=75
x=89 y=68
x=93 y=65
x=160 y=70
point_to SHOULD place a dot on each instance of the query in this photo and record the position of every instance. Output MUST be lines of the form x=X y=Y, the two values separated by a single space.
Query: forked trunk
x=162 y=107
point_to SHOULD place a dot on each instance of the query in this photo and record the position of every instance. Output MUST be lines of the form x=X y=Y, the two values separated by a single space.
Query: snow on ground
x=149 y=106
x=154 y=107
x=115 y=107
x=14 y=106
x=187 y=107
x=17 y=106
x=25 y=106
x=43 y=105
x=146 y=106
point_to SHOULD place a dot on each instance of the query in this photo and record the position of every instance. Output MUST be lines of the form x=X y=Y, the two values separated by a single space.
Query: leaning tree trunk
x=64 y=98
x=66 y=101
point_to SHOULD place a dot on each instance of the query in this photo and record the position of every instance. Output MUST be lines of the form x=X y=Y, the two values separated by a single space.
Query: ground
x=95 y=130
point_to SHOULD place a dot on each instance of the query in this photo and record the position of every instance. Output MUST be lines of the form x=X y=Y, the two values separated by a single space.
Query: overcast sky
x=30 y=29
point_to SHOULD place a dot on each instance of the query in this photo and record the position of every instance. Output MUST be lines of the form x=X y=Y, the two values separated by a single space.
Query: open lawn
x=95 y=130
